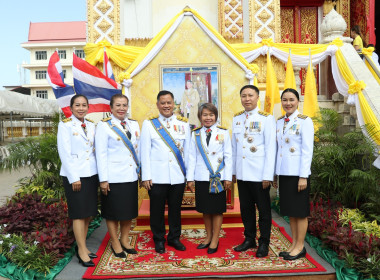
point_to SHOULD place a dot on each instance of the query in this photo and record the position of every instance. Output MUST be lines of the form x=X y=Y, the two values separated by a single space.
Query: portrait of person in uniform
x=164 y=150
x=76 y=150
x=295 y=142
x=254 y=153
x=210 y=166
x=117 y=152
x=189 y=104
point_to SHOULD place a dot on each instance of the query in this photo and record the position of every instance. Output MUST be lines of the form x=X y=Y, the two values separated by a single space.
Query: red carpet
x=194 y=262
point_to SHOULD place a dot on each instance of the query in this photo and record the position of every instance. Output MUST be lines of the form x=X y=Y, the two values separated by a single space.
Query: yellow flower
x=123 y=76
x=368 y=51
x=104 y=43
x=254 y=68
x=356 y=87
x=337 y=42
x=268 y=42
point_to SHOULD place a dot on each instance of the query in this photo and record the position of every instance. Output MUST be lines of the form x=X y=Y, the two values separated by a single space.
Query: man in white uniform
x=164 y=146
x=254 y=152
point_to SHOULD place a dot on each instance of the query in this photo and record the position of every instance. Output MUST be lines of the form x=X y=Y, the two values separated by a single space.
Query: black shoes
x=203 y=246
x=160 y=247
x=283 y=254
x=247 y=244
x=262 y=251
x=90 y=263
x=299 y=255
x=131 y=251
x=118 y=255
x=177 y=245
x=212 y=250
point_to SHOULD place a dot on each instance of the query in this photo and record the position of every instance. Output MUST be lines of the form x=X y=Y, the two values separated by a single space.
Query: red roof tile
x=57 y=31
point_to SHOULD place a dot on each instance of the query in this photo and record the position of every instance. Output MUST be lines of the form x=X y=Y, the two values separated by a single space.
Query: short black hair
x=164 y=92
x=117 y=95
x=292 y=90
x=251 y=87
x=72 y=100
x=209 y=106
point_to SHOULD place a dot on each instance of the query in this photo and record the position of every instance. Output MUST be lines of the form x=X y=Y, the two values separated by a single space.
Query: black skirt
x=292 y=202
x=207 y=203
x=121 y=203
x=82 y=204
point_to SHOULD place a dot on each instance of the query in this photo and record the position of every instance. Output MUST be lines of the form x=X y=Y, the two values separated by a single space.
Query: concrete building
x=44 y=38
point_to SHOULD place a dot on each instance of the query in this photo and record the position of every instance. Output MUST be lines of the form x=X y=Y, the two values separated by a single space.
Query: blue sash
x=127 y=143
x=215 y=184
x=169 y=141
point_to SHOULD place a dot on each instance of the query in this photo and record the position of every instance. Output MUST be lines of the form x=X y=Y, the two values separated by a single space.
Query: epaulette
x=281 y=117
x=67 y=120
x=263 y=113
x=153 y=117
x=183 y=119
x=304 y=117
x=197 y=128
x=221 y=127
x=239 y=113
x=132 y=120
x=89 y=120
x=106 y=119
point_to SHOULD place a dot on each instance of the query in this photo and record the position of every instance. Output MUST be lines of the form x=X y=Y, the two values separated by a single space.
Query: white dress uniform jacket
x=76 y=149
x=219 y=148
x=158 y=162
x=295 y=146
x=254 y=146
x=115 y=161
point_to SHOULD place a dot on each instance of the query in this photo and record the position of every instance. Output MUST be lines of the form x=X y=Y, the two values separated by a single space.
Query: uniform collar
x=213 y=127
x=165 y=119
x=74 y=118
x=293 y=116
x=118 y=121
x=252 y=112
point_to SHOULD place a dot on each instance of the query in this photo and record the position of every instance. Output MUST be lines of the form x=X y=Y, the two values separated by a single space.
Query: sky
x=15 y=18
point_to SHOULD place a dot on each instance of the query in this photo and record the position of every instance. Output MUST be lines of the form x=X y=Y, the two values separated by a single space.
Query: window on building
x=41 y=55
x=64 y=74
x=41 y=74
x=42 y=94
x=62 y=54
x=79 y=53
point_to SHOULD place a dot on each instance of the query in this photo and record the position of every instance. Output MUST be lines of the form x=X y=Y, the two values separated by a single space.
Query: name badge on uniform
x=137 y=135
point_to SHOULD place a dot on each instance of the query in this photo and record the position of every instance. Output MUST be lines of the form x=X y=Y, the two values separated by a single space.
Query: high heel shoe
x=203 y=246
x=90 y=263
x=129 y=251
x=283 y=254
x=118 y=255
x=212 y=250
x=90 y=255
x=299 y=255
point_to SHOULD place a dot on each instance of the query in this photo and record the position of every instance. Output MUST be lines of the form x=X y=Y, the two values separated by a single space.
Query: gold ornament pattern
x=231 y=19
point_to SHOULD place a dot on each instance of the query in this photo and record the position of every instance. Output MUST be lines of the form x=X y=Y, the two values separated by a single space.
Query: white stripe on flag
x=91 y=80
x=98 y=101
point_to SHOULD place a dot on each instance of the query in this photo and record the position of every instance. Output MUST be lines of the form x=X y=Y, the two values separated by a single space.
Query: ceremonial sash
x=215 y=183
x=169 y=141
x=127 y=143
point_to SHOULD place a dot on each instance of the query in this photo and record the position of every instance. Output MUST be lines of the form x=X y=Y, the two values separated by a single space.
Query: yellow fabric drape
x=256 y=84
x=272 y=91
x=370 y=121
x=123 y=56
x=310 y=104
x=371 y=69
x=290 y=79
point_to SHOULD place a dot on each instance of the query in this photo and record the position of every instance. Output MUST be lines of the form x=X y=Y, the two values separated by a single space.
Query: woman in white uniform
x=79 y=173
x=117 y=153
x=295 y=140
x=210 y=165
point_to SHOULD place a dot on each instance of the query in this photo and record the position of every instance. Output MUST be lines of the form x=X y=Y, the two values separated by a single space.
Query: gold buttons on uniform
x=253 y=149
x=250 y=139
x=244 y=157
x=292 y=149
x=213 y=153
x=170 y=160
x=220 y=160
x=287 y=140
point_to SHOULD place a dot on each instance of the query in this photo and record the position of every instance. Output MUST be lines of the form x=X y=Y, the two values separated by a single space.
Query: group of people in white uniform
x=166 y=157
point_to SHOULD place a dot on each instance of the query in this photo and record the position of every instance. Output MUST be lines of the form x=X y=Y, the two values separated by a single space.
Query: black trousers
x=251 y=193
x=159 y=194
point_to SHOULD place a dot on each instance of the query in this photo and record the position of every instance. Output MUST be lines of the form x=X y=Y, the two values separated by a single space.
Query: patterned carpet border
x=195 y=263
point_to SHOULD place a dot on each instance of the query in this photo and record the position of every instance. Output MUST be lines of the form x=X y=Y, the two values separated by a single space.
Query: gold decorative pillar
x=231 y=20
x=343 y=8
x=264 y=20
x=103 y=21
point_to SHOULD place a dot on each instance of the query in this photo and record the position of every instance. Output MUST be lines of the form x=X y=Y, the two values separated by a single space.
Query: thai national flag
x=107 y=68
x=62 y=91
x=91 y=82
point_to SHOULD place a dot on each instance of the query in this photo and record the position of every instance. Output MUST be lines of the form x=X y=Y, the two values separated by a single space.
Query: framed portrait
x=192 y=85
